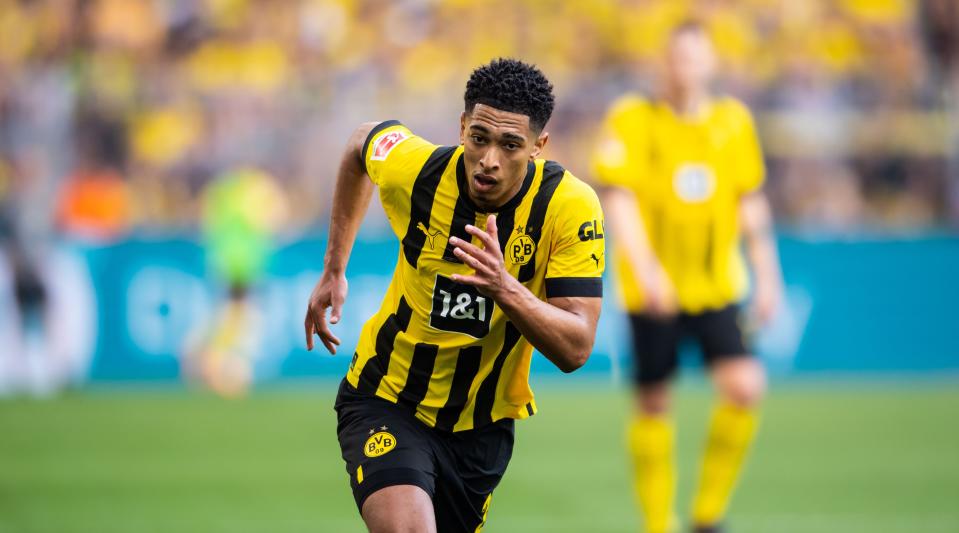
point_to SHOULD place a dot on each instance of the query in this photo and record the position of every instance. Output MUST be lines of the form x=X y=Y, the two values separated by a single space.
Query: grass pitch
x=831 y=457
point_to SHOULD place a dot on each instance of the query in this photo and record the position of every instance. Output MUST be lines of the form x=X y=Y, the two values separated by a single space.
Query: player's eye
x=512 y=146
x=476 y=139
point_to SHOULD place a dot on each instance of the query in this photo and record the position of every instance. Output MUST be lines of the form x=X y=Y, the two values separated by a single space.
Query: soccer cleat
x=708 y=529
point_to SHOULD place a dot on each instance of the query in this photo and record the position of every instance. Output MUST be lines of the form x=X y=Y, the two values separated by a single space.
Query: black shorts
x=383 y=445
x=656 y=341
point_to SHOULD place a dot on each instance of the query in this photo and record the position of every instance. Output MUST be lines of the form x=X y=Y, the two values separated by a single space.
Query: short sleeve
x=617 y=158
x=749 y=165
x=393 y=154
x=577 y=258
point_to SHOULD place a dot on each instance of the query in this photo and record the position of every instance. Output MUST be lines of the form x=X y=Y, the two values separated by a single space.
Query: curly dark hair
x=514 y=86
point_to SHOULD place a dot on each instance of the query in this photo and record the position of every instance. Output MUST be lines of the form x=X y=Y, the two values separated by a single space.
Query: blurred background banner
x=161 y=159
x=873 y=306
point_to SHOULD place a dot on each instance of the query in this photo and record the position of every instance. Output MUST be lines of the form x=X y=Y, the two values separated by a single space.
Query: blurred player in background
x=242 y=210
x=682 y=176
x=500 y=253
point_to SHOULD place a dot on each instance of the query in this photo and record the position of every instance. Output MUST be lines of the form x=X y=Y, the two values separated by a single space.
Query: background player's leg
x=399 y=509
x=740 y=383
x=651 y=435
x=652 y=445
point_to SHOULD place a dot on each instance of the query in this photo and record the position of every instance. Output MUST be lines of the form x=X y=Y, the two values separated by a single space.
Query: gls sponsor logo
x=460 y=308
x=592 y=229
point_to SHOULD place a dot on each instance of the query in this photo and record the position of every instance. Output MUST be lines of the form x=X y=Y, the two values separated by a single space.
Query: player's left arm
x=755 y=218
x=562 y=329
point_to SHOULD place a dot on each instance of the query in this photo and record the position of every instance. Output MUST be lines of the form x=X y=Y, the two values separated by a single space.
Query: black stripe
x=467 y=366
x=483 y=408
x=504 y=227
x=529 y=409
x=571 y=287
x=376 y=129
x=552 y=175
x=376 y=366
x=463 y=214
x=421 y=201
x=421 y=370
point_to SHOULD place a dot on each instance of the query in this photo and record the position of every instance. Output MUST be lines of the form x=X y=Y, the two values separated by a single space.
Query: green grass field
x=831 y=457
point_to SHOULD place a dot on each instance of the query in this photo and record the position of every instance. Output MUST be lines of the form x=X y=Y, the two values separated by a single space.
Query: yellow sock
x=651 y=444
x=731 y=431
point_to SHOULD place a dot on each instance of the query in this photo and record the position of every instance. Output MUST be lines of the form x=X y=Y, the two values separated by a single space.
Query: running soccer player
x=682 y=177
x=499 y=254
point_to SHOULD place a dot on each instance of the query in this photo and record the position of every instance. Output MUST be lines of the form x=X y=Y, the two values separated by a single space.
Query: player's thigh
x=383 y=445
x=737 y=374
x=655 y=359
x=471 y=465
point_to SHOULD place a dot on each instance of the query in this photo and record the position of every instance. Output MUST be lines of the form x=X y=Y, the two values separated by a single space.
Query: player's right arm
x=617 y=163
x=623 y=212
x=351 y=198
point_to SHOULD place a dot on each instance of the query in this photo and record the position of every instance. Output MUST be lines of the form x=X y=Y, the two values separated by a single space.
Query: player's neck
x=688 y=104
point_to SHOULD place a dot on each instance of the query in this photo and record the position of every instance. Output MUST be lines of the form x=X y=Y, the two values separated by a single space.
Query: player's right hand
x=660 y=296
x=330 y=291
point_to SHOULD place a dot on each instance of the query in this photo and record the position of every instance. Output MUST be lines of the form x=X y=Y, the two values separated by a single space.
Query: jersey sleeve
x=750 y=169
x=618 y=156
x=393 y=155
x=577 y=257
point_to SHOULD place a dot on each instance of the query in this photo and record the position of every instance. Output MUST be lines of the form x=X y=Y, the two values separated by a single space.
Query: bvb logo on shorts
x=521 y=249
x=379 y=444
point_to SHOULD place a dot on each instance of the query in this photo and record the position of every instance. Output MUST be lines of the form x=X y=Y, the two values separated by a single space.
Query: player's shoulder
x=571 y=193
x=732 y=109
x=631 y=104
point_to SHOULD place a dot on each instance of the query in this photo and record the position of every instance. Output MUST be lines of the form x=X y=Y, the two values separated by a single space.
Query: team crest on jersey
x=378 y=444
x=521 y=249
x=694 y=183
x=385 y=143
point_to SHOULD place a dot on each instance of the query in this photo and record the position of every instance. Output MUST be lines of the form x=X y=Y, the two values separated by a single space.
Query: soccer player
x=682 y=177
x=501 y=252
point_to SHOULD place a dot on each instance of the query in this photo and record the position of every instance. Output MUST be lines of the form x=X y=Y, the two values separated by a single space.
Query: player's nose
x=489 y=163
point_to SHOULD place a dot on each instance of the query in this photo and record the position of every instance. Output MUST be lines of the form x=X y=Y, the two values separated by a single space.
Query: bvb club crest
x=520 y=249
x=379 y=444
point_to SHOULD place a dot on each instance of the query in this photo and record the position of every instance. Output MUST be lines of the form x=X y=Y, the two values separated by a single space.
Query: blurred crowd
x=117 y=115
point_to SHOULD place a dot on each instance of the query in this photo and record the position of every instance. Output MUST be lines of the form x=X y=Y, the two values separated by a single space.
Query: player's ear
x=463 y=117
x=539 y=145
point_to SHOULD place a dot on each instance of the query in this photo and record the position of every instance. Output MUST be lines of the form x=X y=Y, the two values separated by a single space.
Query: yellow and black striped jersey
x=688 y=175
x=440 y=347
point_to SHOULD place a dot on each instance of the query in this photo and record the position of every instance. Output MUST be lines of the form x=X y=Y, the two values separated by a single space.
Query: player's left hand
x=766 y=302
x=490 y=277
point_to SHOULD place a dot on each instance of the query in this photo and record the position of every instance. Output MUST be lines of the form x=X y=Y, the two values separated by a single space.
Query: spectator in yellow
x=682 y=176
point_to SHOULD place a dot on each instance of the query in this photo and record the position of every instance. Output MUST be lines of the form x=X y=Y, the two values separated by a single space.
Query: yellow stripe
x=359 y=474
x=489 y=498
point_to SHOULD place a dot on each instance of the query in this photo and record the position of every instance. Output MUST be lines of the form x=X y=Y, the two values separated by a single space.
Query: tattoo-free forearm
x=623 y=213
x=756 y=220
x=564 y=336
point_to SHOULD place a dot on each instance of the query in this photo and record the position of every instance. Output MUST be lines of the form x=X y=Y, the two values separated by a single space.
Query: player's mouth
x=484 y=183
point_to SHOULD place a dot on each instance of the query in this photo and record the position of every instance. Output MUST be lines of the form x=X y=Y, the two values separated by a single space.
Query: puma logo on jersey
x=594 y=258
x=430 y=236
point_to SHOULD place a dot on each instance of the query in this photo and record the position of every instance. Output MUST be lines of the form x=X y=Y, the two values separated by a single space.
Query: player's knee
x=399 y=509
x=745 y=388
x=653 y=400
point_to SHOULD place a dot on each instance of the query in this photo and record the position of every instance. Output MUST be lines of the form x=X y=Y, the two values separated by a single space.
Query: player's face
x=497 y=145
x=690 y=61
